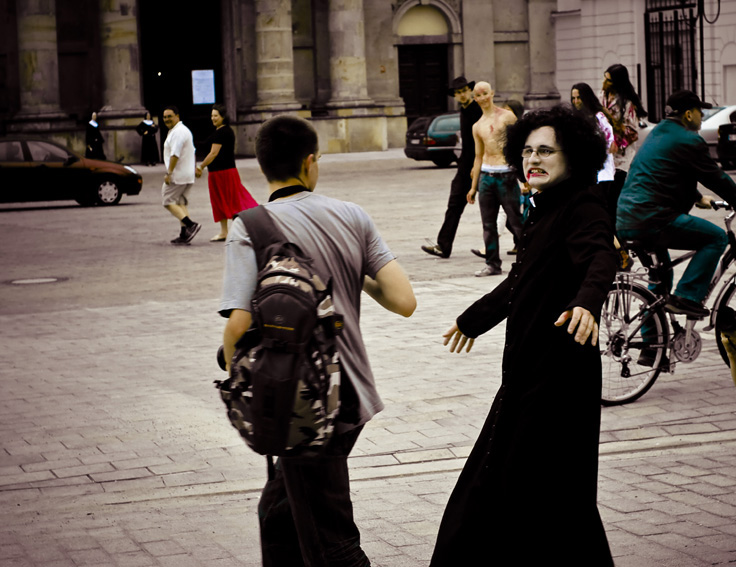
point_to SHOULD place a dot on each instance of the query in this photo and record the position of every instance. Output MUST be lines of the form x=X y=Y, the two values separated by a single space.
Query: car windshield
x=43 y=151
x=711 y=112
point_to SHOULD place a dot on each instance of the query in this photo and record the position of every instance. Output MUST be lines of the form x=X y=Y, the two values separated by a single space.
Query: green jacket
x=662 y=182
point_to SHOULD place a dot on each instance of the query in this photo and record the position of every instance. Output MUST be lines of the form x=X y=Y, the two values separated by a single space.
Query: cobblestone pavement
x=114 y=446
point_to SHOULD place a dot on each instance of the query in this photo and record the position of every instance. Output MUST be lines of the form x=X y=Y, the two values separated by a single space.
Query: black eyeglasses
x=542 y=152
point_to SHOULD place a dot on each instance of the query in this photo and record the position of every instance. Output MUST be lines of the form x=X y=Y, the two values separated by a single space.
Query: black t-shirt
x=226 y=158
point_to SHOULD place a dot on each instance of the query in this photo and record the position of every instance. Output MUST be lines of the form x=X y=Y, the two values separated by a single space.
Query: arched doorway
x=423 y=44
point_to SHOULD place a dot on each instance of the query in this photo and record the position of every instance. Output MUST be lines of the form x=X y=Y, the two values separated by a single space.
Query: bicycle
x=631 y=363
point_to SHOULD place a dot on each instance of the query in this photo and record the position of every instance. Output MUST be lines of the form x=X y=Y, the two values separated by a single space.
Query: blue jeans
x=686 y=232
x=494 y=191
x=305 y=512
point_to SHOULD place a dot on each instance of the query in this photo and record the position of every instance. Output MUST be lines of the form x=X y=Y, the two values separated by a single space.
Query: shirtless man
x=493 y=179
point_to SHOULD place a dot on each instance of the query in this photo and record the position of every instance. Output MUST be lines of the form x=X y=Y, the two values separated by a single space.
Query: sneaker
x=478 y=253
x=180 y=239
x=190 y=232
x=488 y=271
x=435 y=250
x=649 y=355
x=676 y=304
x=512 y=252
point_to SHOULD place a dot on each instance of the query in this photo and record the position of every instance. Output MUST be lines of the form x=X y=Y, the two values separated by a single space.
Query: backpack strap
x=262 y=231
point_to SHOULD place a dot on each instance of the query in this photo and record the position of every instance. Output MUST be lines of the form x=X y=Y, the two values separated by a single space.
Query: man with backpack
x=305 y=511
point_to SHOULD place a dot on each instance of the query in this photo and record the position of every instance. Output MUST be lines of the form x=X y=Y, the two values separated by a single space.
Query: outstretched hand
x=459 y=341
x=582 y=320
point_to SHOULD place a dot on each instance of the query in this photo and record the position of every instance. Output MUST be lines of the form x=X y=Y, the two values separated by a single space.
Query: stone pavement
x=115 y=450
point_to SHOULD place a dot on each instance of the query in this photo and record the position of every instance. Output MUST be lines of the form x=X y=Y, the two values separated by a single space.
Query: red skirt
x=228 y=196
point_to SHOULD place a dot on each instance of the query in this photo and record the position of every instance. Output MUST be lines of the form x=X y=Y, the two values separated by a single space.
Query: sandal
x=218 y=238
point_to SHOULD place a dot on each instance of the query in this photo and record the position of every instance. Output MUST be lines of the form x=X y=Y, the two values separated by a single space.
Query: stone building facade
x=358 y=69
x=659 y=41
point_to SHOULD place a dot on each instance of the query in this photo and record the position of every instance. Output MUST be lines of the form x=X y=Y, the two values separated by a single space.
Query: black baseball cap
x=682 y=101
x=459 y=83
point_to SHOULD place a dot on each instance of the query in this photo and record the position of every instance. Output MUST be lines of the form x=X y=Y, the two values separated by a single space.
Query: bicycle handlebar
x=721 y=205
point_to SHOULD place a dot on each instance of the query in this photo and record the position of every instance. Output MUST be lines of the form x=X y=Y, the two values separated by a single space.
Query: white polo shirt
x=180 y=143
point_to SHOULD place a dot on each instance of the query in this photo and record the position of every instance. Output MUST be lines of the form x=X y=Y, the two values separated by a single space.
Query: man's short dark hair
x=282 y=145
x=172 y=108
x=579 y=138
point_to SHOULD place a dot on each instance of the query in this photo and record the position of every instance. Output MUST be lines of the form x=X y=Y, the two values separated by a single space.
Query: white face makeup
x=548 y=169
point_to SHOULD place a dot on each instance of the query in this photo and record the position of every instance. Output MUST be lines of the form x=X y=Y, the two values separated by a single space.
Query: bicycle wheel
x=631 y=364
x=728 y=299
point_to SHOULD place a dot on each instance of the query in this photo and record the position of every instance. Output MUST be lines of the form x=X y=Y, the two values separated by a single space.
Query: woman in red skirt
x=228 y=196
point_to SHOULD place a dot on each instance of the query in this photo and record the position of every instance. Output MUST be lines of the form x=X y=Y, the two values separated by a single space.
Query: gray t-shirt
x=345 y=245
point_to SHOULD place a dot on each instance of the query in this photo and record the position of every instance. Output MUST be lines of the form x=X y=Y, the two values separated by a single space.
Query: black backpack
x=283 y=394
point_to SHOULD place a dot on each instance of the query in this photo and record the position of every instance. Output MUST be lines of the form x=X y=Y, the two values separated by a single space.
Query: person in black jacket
x=470 y=112
x=527 y=494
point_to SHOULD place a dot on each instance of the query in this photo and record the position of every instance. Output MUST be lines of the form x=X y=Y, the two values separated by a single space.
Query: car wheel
x=442 y=162
x=107 y=192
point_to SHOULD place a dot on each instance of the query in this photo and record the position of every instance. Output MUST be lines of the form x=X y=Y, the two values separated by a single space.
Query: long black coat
x=527 y=494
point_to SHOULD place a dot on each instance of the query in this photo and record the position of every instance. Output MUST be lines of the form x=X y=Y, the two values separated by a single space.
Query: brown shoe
x=435 y=251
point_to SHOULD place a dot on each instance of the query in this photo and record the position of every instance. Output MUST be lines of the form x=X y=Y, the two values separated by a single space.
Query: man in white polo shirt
x=180 y=164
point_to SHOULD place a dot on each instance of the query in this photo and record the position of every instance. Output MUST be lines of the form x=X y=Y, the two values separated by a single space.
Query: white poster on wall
x=203 y=86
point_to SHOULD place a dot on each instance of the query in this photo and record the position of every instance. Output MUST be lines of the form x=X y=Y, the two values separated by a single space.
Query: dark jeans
x=494 y=191
x=455 y=206
x=305 y=512
x=687 y=232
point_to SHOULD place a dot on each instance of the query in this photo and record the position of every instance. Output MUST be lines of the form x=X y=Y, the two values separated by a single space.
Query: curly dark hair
x=579 y=137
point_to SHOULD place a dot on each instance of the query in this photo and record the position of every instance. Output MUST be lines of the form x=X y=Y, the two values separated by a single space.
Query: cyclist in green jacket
x=659 y=192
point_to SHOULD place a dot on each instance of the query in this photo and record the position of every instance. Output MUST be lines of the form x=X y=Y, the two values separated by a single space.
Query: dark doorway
x=423 y=79
x=670 y=51
x=78 y=41
x=174 y=43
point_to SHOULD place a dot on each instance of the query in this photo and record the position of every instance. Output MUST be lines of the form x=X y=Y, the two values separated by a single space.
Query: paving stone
x=134 y=398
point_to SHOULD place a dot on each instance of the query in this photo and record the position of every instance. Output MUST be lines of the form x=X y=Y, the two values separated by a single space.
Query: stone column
x=121 y=91
x=348 y=77
x=38 y=59
x=274 y=56
x=542 y=55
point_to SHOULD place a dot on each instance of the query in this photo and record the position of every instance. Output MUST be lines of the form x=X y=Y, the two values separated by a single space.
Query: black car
x=42 y=170
x=433 y=138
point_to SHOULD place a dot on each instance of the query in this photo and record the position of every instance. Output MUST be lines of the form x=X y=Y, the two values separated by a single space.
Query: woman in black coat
x=527 y=494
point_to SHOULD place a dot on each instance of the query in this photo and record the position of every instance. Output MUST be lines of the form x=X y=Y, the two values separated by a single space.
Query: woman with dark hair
x=228 y=196
x=619 y=98
x=584 y=100
x=527 y=494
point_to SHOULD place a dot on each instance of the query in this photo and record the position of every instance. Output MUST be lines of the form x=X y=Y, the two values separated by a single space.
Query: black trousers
x=455 y=206
x=305 y=512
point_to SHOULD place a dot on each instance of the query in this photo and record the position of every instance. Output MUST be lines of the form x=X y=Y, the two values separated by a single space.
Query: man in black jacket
x=470 y=112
